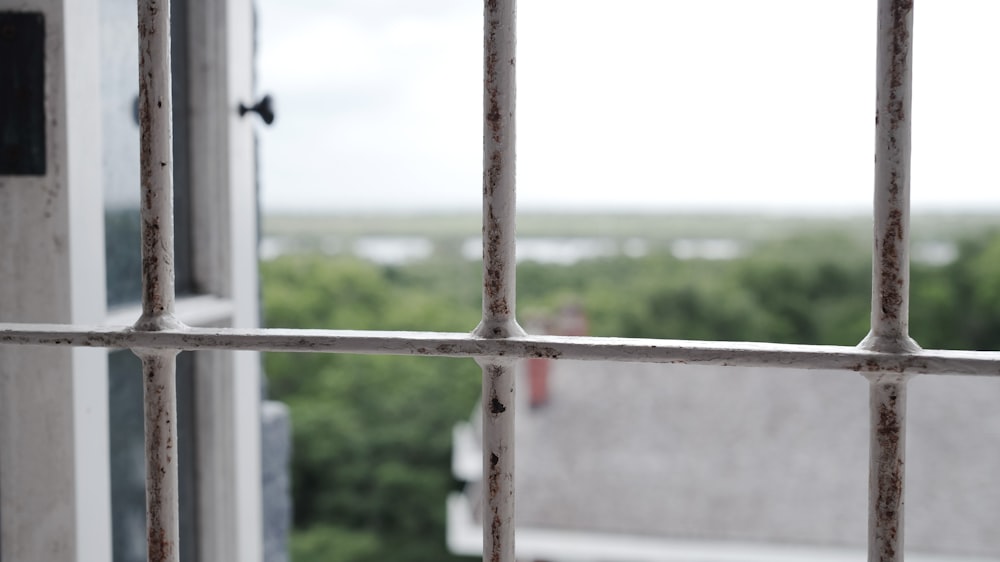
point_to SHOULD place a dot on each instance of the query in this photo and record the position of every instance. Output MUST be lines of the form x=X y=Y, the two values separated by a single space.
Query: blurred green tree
x=372 y=434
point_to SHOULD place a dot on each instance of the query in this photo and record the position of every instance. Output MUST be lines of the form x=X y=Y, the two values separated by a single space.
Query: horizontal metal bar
x=448 y=344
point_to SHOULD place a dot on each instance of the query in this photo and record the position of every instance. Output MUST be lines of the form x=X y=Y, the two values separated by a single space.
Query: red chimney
x=570 y=321
x=538 y=382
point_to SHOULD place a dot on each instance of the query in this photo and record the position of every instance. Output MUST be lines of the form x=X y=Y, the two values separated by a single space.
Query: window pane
x=120 y=134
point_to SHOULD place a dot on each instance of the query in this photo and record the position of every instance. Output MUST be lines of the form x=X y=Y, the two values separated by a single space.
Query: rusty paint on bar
x=156 y=165
x=452 y=344
x=157 y=230
x=159 y=391
x=890 y=258
x=498 y=462
x=886 y=468
x=890 y=279
x=498 y=171
x=499 y=320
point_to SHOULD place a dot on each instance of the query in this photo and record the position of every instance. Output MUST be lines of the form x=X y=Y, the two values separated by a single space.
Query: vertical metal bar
x=162 y=487
x=499 y=264
x=887 y=402
x=890 y=279
x=157 y=224
x=156 y=163
x=498 y=462
x=891 y=264
x=498 y=169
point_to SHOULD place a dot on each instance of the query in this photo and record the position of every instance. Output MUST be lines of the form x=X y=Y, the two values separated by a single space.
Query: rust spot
x=495 y=533
x=159 y=413
x=493 y=115
x=494 y=480
x=494 y=111
x=891 y=287
x=493 y=173
x=545 y=353
x=496 y=406
x=446 y=348
x=494 y=267
x=494 y=459
x=888 y=500
x=494 y=270
x=900 y=41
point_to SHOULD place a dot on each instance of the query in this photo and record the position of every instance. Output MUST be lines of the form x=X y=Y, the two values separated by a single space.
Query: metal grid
x=887 y=356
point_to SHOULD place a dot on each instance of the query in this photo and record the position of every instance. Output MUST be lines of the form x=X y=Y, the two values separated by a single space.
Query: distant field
x=648 y=226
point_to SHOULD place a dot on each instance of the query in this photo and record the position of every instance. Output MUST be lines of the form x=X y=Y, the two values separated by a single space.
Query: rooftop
x=748 y=456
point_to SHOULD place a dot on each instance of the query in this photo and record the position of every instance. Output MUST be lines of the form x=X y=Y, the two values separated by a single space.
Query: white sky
x=625 y=105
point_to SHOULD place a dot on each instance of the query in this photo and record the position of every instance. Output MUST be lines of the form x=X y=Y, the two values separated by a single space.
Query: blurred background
x=686 y=170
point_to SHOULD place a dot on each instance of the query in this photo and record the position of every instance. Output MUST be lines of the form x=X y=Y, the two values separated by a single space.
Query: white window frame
x=55 y=468
x=888 y=357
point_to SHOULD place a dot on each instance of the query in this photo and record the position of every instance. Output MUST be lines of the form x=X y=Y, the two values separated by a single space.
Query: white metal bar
x=448 y=344
x=890 y=257
x=499 y=263
x=887 y=402
x=498 y=461
x=157 y=224
x=156 y=165
x=890 y=279
x=162 y=492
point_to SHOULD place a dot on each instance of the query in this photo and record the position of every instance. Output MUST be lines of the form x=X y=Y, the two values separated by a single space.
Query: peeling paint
x=156 y=210
x=498 y=465
x=886 y=477
x=161 y=471
x=890 y=283
x=498 y=171
x=890 y=258
x=492 y=350
x=498 y=322
x=496 y=406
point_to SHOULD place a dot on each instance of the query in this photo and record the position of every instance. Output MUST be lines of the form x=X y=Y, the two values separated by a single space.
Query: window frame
x=55 y=401
x=53 y=419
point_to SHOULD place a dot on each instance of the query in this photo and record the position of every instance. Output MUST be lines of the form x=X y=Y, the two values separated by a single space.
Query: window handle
x=264 y=108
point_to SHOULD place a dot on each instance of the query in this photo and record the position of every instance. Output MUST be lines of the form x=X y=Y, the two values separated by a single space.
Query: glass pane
x=120 y=135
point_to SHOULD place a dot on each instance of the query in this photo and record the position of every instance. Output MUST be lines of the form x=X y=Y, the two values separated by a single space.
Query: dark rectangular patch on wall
x=22 y=93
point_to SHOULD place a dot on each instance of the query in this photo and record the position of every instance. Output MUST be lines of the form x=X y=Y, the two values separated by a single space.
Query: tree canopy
x=372 y=435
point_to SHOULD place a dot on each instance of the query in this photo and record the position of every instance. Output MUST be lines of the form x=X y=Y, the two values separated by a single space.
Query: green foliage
x=330 y=542
x=372 y=434
x=957 y=306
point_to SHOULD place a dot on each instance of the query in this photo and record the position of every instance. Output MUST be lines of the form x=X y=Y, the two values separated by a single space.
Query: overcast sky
x=631 y=105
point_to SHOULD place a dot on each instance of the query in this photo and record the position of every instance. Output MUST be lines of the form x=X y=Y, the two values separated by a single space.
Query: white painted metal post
x=890 y=279
x=157 y=224
x=887 y=456
x=498 y=278
x=162 y=511
x=891 y=271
